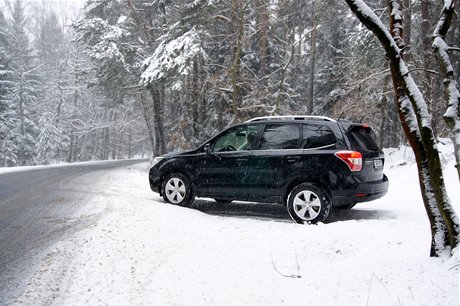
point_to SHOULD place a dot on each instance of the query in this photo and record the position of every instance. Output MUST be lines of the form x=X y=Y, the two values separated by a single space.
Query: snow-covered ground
x=145 y=252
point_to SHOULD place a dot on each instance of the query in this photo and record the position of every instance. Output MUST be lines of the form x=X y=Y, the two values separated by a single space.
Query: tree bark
x=74 y=117
x=384 y=111
x=150 y=128
x=160 y=147
x=263 y=25
x=238 y=24
x=311 y=70
x=407 y=8
x=427 y=55
x=195 y=99
x=416 y=123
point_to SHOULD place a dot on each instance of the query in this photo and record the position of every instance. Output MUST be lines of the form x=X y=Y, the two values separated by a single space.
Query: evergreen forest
x=128 y=78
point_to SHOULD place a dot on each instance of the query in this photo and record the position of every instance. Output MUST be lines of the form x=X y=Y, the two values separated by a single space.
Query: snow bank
x=62 y=164
x=143 y=251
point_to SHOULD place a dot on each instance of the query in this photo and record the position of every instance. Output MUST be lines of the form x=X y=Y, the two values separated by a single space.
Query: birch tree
x=452 y=95
x=416 y=122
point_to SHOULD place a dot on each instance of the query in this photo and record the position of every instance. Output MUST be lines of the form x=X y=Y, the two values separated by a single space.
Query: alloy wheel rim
x=175 y=190
x=307 y=205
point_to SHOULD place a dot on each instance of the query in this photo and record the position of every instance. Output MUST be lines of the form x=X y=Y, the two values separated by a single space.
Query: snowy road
x=38 y=207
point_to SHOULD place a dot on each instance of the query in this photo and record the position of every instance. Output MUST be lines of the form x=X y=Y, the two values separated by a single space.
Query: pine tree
x=8 y=156
x=25 y=87
x=53 y=54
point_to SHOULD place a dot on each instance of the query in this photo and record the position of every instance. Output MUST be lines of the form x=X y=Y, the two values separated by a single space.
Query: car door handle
x=240 y=160
x=293 y=159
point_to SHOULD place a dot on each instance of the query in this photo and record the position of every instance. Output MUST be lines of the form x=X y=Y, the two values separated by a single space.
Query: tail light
x=353 y=159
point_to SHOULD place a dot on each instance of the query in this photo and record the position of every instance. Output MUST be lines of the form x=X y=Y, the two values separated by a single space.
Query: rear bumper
x=364 y=192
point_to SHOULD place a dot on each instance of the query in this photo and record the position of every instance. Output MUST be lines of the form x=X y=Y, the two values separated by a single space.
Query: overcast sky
x=57 y=4
x=67 y=10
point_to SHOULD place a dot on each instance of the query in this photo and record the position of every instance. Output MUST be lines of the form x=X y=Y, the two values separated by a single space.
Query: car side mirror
x=207 y=150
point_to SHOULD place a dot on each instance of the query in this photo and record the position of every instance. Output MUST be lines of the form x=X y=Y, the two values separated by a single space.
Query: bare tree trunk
x=195 y=99
x=452 y=95
x=22 y=153
x=113 y=147
x=311 y=72
x=160 y=147
x=416 y=123
x=146 y=27
x=150 y=128
x=263 y=24
x=428 y=84
x=384 y=111
x=72 y=127
x=84 y=149
x=407 y=8
x=282 y=80
x=238 y=25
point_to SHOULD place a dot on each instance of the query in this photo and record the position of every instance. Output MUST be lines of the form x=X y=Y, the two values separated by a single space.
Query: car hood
x=174 y=154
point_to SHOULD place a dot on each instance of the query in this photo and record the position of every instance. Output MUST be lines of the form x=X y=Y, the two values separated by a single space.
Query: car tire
x=307 y=203
x=223 y=201
x=177 y=190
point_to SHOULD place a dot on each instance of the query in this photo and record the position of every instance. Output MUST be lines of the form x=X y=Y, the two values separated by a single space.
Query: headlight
x=156 y=160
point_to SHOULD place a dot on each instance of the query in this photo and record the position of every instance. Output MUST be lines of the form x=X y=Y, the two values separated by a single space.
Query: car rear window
x=363 y=138
x=280 y=136
x=316 y=136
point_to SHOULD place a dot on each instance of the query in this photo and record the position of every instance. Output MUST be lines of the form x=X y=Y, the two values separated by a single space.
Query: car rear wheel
x=308 y=203
x=177 y=190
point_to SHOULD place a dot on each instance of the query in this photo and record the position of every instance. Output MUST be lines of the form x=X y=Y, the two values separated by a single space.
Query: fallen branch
x=286 y=275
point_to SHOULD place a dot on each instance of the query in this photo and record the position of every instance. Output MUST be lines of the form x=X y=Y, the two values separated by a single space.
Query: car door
x=274 y=158
x=224 y=172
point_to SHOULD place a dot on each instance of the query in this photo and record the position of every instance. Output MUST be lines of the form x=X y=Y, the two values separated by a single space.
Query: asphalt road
x=36 y=208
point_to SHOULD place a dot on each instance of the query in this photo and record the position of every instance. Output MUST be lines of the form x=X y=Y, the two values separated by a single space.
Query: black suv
x=309 y=163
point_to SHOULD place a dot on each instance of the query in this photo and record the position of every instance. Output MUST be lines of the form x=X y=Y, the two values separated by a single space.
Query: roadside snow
x=61 y=164
x=145 y=252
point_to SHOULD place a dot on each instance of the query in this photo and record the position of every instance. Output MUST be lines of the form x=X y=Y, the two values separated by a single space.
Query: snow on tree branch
x=172 y=56
x=367 y=16
x=398 y=23
x=373 y=22
x=107 y=39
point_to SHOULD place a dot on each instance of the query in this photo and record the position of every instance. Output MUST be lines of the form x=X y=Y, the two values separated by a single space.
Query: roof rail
x=291 y=118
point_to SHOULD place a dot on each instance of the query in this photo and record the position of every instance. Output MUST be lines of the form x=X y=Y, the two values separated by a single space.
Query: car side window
x=317 y=137
x=280 y=136
x=237 y=139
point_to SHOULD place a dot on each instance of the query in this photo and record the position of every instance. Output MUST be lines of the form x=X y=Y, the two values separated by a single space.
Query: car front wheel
x=308 y=203
x=177 y=190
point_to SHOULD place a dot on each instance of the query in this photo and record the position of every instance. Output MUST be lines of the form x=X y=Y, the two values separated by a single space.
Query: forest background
x=133 y=77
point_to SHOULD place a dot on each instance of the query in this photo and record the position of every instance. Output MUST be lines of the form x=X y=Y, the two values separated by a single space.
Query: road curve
x=36 y=208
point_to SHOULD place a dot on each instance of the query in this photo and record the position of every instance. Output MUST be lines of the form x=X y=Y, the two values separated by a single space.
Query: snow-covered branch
x=174 y=55
x=452 y=94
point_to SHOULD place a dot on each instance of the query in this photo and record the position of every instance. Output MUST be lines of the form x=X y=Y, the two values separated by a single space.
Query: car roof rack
x=291 y=118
